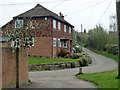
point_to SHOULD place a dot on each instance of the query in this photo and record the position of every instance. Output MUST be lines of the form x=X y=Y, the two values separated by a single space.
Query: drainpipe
x=52 y=37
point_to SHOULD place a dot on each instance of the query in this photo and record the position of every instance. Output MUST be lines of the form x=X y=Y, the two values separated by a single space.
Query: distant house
x=52 y=37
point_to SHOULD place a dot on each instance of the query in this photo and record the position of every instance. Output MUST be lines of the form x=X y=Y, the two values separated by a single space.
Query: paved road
x=65 y=78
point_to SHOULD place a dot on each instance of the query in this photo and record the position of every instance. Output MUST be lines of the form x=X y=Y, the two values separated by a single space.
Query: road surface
x=66 y=78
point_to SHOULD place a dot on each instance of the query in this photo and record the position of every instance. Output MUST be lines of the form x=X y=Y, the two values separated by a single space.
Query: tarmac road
x=66 y=78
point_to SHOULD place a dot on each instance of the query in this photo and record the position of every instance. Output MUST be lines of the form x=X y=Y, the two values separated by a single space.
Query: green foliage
x=104 y=79
x=73 y=65
x=84 y=62
x=48 y=68
x=97 y=38
x=77 y=50
x=75 y=56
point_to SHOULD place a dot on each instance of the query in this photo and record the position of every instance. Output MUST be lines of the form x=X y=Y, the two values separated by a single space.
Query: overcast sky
x=89 y=13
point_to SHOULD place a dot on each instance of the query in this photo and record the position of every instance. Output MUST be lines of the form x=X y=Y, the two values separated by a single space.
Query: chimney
x=61 y=15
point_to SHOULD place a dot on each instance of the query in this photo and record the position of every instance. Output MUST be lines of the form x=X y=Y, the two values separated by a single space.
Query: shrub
x=73 y=65
x=62 y=53
x=77 y=50
x=68 y=55
x=48 y=68
x=75 y=56
x=84 y=62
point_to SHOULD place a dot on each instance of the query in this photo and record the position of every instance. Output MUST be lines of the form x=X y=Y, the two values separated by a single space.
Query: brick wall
x=42 y=47
x=9 y=67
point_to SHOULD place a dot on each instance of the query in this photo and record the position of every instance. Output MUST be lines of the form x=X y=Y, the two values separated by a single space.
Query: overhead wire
x=105 y=11
x=88 y=7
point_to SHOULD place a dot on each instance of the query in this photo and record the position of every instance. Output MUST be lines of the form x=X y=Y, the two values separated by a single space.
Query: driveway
x=66 y=78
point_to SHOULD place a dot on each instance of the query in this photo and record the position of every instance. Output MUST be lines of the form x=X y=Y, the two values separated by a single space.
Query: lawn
x=105 y=79
x=38 y=60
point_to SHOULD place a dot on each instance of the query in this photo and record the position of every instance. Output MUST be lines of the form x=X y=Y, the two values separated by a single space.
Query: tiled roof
x=40 y=11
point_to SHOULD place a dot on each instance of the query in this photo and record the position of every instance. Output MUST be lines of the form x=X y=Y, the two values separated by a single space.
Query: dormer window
x=54 y=24
x=18 y=23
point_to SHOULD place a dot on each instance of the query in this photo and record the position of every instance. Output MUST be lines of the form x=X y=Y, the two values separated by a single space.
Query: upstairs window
x=64 y=28
x=54 y=42
x=18 y=23
x=69 y=29
x=59 y=26
x=59 y=43
x=54 y=24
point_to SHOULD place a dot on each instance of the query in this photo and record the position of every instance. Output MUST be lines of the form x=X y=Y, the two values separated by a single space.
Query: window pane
x=59 y=43
x=69 y=29
x=54 y=41
x=54 y=24
x=59 y=26
x=64 y=28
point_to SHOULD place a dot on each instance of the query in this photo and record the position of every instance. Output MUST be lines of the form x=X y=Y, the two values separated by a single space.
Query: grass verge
x=105 y=79
x=38 y=60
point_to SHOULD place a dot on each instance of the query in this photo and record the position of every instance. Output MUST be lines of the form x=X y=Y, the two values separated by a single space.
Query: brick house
x=51 y=37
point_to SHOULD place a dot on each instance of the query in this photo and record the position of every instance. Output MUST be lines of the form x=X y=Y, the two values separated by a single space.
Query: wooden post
x=17 y=67
x=80 y=70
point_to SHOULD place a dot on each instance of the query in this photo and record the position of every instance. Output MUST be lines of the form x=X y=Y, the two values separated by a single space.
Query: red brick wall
x=9 y=67
x=42 y=47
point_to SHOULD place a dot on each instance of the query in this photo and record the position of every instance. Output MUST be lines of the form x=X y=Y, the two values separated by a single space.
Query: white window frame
x=65 y=42
x=64 y=28
x=59 y=26
x=54 y=24
x=54 y=42
x=59 y=43
x=18 y=23
x=70 y=30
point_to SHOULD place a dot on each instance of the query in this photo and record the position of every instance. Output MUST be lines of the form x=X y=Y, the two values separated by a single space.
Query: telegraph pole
x=118 y=29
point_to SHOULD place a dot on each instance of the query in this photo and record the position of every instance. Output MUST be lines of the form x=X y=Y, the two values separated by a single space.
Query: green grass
x=38 y=60
x=106 y=79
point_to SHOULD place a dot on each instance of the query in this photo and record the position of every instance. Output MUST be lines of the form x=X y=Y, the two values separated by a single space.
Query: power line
x=105 y=11
x=92 y=13
x=28 y=3
x=87 y=7
x=58 y=4
x=83 y=4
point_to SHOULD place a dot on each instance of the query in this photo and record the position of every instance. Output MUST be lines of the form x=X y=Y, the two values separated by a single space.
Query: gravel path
x=66 y=78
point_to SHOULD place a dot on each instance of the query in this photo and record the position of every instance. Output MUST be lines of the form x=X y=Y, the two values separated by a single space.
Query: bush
x=73 y=65
x=68 y=55
x=62 y=53
x=84 y=62
x=77 y=50
x=75 y=56
x=48 y=68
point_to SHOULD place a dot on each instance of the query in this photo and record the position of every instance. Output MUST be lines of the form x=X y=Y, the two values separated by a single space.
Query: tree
x=97 y=38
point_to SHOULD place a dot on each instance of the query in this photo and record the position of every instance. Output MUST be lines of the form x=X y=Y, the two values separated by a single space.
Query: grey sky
x=77 y=12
